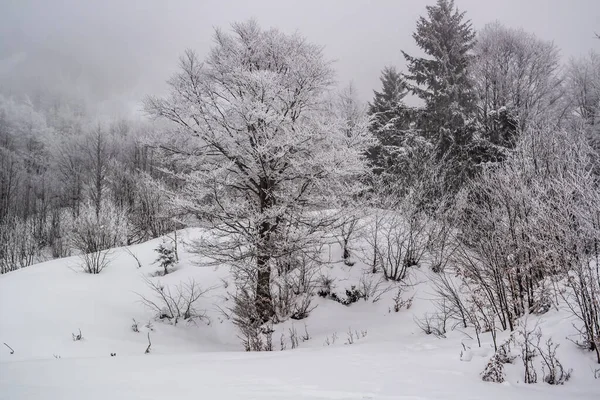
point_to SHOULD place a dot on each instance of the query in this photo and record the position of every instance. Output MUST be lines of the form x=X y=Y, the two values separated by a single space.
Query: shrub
x=400 y=302
x=494 y=369
x=399 y=243
x=95 y=232
x=176 y=303
x=432 y=324
x=553 y=370
x=254 y=334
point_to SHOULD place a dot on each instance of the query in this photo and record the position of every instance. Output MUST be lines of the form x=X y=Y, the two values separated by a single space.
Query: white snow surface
x=42 y=305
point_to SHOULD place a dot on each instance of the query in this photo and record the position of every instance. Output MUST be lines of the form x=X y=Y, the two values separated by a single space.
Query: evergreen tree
x=388 y=106
x=166 y=256
x=442 y=80
x=388 y=118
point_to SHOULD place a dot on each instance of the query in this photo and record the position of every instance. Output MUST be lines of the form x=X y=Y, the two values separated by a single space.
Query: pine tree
x=441 y=80
x=166 y=256
x=388 y=106
x=388 y=118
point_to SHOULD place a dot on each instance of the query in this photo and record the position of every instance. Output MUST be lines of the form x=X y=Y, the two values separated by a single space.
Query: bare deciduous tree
x=517 y=74
x=257 y=143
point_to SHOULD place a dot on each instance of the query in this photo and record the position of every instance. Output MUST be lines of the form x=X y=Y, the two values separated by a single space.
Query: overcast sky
x=121 y=50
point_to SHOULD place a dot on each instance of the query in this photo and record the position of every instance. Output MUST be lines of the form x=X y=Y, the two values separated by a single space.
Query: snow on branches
x=260 y=147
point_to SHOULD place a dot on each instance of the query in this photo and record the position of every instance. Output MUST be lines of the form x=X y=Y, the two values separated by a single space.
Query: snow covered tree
x=24 y=188
x=517 y=82
x=69 y=167
x=349 y=109
x=97 y=154
x=166 y=256
x=442 y=79
x=259 y=149
x=583 y=90
x=389 y=119
x=387 y=108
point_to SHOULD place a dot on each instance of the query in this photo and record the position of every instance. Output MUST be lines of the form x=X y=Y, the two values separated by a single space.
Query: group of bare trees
x=65 y=180
x=525 y=239
x=527 y=223
x=518 y=79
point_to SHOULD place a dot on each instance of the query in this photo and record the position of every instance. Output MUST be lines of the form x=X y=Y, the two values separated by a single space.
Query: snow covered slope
x=390 y=358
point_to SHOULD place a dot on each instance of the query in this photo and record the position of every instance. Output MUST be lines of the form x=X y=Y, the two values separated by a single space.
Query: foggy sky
x=117 y=51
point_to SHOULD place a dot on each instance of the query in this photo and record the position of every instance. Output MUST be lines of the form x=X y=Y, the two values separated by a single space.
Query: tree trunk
x=263 y=300
x=346 y=255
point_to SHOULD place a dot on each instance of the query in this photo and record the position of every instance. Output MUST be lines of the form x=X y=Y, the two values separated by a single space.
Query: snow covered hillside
x=362 y=351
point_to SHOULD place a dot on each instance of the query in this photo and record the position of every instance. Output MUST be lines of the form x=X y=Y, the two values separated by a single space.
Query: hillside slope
x=390 y=357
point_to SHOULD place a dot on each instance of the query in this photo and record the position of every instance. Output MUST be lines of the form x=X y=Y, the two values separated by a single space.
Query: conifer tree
x=388 y=118
x=441 y=80
x=387 y=106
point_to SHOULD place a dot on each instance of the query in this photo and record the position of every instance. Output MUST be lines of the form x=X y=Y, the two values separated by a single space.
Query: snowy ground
x=41 y=306
x=366 y=371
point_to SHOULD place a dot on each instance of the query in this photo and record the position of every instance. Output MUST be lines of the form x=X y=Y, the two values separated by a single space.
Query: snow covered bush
x=95 y=232
x=77 y=336
x=166 y=256
x=553 y=370
x=494 y=369
x=295 y=282
x=351 y=295
x=373 y=287
x=433 y=324
x=353 y=335
x=400 y=302
x=399 y=243
x=59 y=227
x=254 y=333
x=464 y=303
x=487 y=241
x=135 y=327
x=529 y=340
x=326 y=286
x=149 y=215
x=525 y=338
x=578 y=249
x=532 y=218
x=441 y=243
